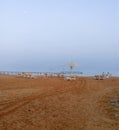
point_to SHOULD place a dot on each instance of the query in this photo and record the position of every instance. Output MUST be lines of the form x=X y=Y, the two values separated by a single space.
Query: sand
x=57 y=104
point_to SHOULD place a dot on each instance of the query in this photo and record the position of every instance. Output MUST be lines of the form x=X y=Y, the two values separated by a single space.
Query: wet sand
x=57 y=104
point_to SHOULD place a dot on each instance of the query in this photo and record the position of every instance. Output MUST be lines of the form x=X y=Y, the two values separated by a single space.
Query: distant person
x=107 y=75
x=103 y=73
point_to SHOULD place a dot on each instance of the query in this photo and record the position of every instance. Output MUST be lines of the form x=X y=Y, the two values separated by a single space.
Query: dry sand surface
x=57 y=104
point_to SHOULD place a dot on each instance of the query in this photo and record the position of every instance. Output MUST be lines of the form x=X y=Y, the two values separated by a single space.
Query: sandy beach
x=58 y=104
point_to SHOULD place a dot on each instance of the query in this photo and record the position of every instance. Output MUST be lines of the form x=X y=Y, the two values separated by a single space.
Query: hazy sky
x=38 y=35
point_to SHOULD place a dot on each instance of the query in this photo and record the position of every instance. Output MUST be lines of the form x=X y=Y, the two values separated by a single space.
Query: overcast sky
x=38 y=35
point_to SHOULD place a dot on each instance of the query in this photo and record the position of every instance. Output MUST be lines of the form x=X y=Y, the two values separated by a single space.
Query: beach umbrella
x=71 y=65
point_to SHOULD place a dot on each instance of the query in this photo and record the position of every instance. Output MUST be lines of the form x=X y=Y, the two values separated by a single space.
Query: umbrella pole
x=71 y=73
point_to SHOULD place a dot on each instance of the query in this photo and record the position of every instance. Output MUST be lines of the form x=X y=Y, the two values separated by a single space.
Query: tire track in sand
x=10 y=107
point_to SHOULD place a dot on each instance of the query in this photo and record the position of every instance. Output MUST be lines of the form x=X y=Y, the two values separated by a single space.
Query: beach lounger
x=97 y=77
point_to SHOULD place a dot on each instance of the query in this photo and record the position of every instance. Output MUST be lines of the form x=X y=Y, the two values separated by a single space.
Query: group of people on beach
x=103 y=76
x=25 y=75
x=47 y=75
x=69 y=77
